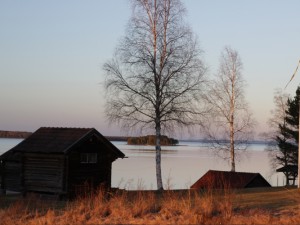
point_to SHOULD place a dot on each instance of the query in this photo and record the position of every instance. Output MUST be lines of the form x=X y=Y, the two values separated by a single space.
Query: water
x=182 y=165
x=8 y=143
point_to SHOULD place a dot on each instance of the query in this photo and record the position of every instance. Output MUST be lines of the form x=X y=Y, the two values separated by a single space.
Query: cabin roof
x=228 y=179
x=59 y=140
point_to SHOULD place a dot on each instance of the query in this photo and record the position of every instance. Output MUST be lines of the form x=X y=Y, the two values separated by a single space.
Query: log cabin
x=59 y=161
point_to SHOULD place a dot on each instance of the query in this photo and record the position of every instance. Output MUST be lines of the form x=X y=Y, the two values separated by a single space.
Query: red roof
x=224 y=179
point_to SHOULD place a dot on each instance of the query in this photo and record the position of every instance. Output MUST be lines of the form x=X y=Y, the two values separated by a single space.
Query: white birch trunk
x=231 y=122
x=158 y=159
x=232 y=153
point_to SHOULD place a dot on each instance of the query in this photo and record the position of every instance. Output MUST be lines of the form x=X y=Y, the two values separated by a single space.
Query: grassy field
x=247 y=206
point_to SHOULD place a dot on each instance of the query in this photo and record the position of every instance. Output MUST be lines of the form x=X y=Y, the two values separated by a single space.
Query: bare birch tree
x=278 y=114
x=155 y=79
x=229 y=126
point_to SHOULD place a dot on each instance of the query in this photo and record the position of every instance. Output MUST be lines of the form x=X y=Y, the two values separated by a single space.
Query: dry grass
x=268 y=206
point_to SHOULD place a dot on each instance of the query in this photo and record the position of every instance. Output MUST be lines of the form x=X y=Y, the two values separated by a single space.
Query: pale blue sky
x=51 y=55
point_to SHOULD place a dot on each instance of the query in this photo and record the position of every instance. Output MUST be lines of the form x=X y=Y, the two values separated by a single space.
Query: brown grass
x=265 y=206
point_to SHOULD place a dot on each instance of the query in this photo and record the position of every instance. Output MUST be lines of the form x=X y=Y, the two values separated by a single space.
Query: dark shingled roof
x=59 y=140
x=224 y=179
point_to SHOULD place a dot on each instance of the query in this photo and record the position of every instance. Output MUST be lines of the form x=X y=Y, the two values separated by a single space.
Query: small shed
x=230 y=180
x=290 y=172
x=59 y=161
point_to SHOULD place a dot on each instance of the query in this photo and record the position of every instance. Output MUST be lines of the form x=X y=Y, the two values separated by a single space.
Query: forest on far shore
x=14 y=134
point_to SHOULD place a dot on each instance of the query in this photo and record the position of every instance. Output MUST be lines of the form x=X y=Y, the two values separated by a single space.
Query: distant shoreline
x=14 y=134
x=25 y=134
x=116 y=138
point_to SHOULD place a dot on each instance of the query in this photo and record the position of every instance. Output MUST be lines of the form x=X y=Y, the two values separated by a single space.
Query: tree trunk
x=231 y=124
x=232 y=156
x=287 y=179
x=158 y=158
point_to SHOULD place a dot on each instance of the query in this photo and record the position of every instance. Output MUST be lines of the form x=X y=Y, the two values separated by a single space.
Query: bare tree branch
x=156 y=79
x=230 y=124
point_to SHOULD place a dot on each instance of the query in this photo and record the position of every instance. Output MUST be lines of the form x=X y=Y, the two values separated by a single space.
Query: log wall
x=44 y=172
x=12 y=176
x=95 y=174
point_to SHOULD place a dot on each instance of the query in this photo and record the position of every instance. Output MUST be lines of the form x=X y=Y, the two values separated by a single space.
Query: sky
x=52 y=53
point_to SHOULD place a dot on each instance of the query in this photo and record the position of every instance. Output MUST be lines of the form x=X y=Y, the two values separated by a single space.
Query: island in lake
x=151 y=140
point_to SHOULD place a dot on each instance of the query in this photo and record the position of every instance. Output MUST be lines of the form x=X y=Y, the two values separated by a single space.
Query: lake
x=182 y=165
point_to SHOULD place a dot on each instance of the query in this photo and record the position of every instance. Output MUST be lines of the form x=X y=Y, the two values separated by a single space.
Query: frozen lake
x=182 y=165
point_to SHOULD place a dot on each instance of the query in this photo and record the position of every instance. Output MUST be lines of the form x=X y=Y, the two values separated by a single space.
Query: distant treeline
x=116 y=138
x=14 y=134
x=151 y=140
